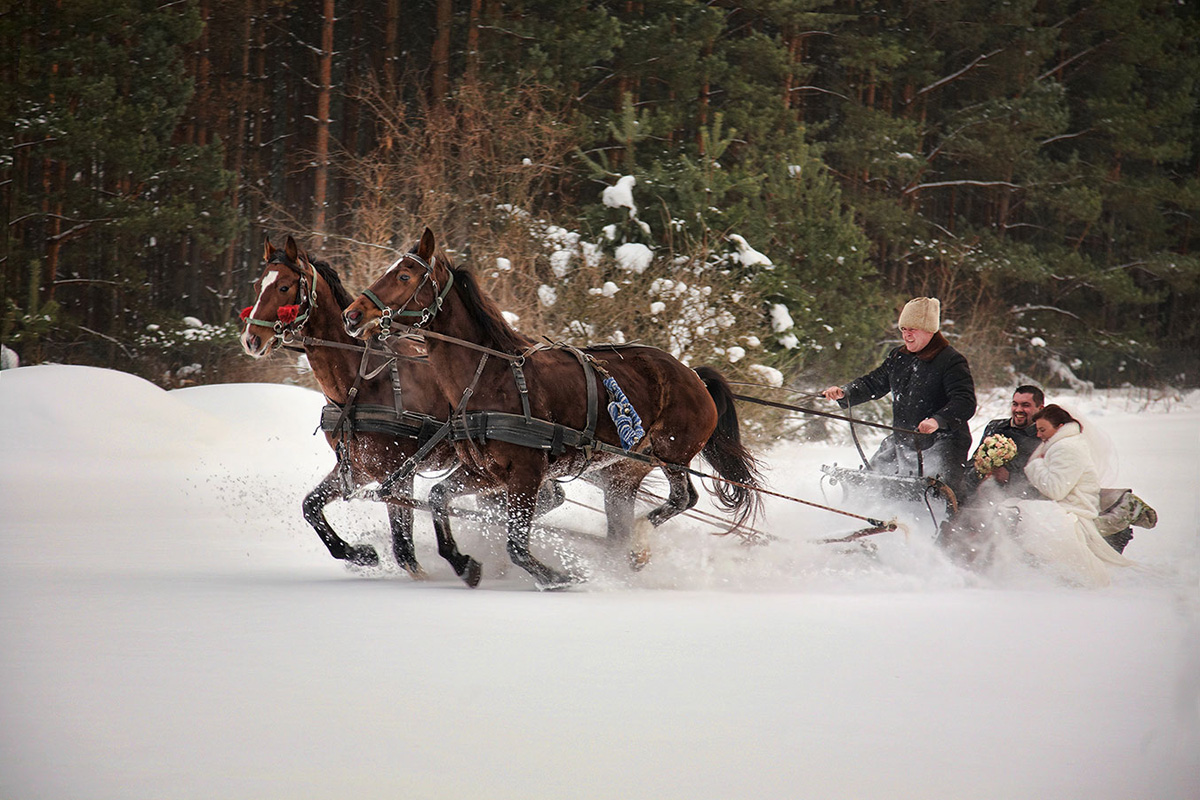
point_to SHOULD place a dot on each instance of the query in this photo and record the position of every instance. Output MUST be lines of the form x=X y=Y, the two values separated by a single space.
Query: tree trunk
x=440 y=85
x=473 y=21
x=324 y=92
x=391 y=55
x=237 y=152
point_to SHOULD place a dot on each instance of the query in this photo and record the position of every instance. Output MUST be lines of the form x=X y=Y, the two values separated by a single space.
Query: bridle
x=425 y=314
x=286 y=331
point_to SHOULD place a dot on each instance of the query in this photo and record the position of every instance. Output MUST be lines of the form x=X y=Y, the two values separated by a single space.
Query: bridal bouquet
x=995 y=451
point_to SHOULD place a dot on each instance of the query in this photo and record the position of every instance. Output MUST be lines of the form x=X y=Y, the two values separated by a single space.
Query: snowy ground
x=170 y=627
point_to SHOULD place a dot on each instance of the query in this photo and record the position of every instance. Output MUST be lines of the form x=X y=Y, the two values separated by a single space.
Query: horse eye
x=283 y=289
x=404 y=276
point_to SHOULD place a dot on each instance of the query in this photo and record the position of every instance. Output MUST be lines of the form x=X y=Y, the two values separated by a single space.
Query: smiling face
x=1024 y=406
x=915 y=340
x=279 y=294
x=400 y=288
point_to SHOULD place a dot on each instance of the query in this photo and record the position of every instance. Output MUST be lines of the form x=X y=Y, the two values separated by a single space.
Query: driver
x=932 y=392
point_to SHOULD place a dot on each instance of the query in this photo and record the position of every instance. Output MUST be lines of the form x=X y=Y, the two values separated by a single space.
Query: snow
x=768 y=376
x=620 y=195
x=781 y=320
x=747 y=255
x=170 y=627
x=633 y=257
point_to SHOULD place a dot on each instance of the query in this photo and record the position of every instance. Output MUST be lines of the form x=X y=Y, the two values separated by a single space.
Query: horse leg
x=520 y=501
x=619 y=484
x=400 y=519
x=328 y=490
x=682 y=496
x=465 y=567
x=550 y=496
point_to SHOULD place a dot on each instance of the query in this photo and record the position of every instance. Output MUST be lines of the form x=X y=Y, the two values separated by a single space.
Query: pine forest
x=757 y=185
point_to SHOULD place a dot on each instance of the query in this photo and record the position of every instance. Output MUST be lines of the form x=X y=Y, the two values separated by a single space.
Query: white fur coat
x=1062 y=534
x=1063 y=471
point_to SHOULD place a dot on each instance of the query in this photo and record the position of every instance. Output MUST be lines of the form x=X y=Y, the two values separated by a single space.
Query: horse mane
x=483 y=310
x=327 y=273
x=330 y=276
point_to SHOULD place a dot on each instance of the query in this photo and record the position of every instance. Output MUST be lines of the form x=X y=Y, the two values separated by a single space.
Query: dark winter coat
x=934 y=383
x=1026 y=441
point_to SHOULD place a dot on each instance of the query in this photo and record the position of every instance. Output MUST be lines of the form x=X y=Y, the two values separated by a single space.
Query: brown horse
x=301 y=300
x=684 y=412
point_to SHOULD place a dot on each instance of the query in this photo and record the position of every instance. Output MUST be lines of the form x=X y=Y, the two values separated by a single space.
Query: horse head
x=413 y=288
x=286 y=294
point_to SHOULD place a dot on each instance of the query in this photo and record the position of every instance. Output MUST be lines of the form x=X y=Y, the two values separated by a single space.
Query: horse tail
x=728 y=456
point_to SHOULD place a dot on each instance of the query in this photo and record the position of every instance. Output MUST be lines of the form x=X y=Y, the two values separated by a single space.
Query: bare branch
x=1064 y=64
x=1054 y=309
x=939 y=184
x=1053 y=139
x=817 y=89
x=956 y=75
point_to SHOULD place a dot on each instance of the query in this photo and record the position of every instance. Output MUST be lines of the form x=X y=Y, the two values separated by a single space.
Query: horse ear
x=290 y=250
x=268 y=250
x=427 y=246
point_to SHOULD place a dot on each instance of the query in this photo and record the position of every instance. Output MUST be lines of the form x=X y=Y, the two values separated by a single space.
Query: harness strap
x=351 y=396
x=410 y=465
x=522 y=387
x=593 y=402
x=590 y=367
x=397 y=398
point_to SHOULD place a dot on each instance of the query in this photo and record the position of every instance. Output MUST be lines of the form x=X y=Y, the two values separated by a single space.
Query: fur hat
x=922 y=314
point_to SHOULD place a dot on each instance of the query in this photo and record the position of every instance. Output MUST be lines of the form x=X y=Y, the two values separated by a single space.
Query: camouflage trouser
x=1121 y=510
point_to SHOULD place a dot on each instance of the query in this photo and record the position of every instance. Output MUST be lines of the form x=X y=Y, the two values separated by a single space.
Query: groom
x=1027 y=400
x=964 y=535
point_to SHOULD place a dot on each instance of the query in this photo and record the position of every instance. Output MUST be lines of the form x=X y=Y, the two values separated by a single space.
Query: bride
x=1060 y=532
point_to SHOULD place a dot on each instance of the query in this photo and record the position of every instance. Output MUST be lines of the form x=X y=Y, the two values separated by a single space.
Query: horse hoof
x=638 y=559
x=415 y=571
x=473 y=573
x=364 y=556
x=556 y=582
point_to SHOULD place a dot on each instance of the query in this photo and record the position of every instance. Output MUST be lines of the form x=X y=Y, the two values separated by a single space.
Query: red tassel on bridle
x=285 y=314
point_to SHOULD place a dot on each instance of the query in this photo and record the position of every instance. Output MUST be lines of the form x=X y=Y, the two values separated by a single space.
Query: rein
x=607 y=448
x=815 y=413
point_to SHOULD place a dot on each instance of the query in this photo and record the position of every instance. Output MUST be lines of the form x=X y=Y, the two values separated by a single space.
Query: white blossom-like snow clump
x=546 y=295
x=767 y=375
x=621 y=195
x=8 y=358
x=781 y=320
x=634 y=257
x=511 y=318
x=560 y=263
x=747 y=255
x=735 y=354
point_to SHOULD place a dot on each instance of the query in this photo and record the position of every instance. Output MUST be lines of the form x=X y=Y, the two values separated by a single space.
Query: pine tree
x=99 y=189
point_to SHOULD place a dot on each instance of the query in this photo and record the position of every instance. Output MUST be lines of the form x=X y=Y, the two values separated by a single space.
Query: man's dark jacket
x=934 y=383
x=1026 y=441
